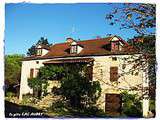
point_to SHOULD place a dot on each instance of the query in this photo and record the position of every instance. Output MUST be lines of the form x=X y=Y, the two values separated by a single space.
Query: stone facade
x=101 y=73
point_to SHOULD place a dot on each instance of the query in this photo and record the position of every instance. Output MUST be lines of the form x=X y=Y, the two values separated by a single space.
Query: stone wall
x=101 y=72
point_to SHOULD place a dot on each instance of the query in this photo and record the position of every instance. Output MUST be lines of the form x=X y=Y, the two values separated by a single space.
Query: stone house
x=107 y=58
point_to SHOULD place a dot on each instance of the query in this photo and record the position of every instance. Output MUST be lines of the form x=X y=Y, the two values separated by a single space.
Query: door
x=113 y=103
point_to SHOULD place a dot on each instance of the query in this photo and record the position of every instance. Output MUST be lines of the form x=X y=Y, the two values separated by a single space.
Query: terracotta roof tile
x=90 y=47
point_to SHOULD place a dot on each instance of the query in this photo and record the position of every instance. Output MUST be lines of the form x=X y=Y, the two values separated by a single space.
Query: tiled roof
x=90 y=48
x=44 y=46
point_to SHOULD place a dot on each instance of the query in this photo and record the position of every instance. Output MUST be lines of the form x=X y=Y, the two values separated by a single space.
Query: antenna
x=72 y=30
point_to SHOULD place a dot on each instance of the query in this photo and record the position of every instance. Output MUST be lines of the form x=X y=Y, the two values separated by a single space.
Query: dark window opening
x=89 y=72
x=113 y=74
x=114 y=58
x=36 y=71
x=31 y=72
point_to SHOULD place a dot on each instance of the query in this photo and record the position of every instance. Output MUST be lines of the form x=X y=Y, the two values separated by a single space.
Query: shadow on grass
x=13 y=110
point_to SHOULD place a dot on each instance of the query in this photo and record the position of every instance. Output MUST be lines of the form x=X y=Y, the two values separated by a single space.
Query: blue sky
x=26 y=23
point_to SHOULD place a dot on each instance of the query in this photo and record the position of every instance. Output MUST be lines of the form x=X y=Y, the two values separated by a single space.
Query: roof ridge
x=83 y=40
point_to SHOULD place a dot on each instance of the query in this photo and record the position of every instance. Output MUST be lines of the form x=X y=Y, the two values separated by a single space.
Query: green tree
x=13 y=69
x=131 y=105
x=32 y=49
x=75 y=88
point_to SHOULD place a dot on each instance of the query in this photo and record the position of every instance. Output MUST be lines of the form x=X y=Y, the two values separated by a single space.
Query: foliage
x=35 y=83
x=141 y=18
x=10 y=94
x=131 y=105
x=75 y=87
x=13 y=68
x=28 y=99
x=38 y=84
x=61 y=108
x=80 y=91
x=12 y=72
x=32 y=49
x=152 y=106
x=51 y=72
x=137 y=16
x=146 y=44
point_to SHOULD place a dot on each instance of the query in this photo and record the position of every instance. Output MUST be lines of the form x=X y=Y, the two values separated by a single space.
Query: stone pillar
x=24 y=88
x=145 y=92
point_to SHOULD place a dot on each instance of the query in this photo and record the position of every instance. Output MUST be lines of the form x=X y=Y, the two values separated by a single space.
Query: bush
x=28 y=99
x=37 y=85
x=10 y=94
x=152 y=106
x=131 y=106
x=94 y=112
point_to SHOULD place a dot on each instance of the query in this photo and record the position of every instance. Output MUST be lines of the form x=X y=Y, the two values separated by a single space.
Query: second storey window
x=89 y=72
x=36 y=72
x=113 y=74
x=31 y=72
x=74 y=49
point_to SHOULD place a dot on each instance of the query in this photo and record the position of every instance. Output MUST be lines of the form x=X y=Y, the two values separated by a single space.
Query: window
x=113 y=74
x=114 y=58
x=123 y=66
x=39 y=52
x=36 y=71
x=31 y=72
x=89 y=72
x=114 y=46
x=74 y=49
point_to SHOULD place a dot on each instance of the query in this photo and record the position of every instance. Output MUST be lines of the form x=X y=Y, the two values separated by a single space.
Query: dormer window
x=116 y=44
x=39 y=52
x=42 y=50
x=74 y=49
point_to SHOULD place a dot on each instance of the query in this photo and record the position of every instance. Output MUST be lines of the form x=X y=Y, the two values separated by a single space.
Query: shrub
x=28 y=99
x=131 y=106
x=38 y=84
x=10 y=94
x=152 y=106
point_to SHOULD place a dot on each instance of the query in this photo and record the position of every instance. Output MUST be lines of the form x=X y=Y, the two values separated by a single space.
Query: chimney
x=69 y=40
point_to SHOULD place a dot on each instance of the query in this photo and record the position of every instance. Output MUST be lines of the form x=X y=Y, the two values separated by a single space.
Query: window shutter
x=36 y=72
x=31 y=72
x=113 y=74
x=89 y=72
